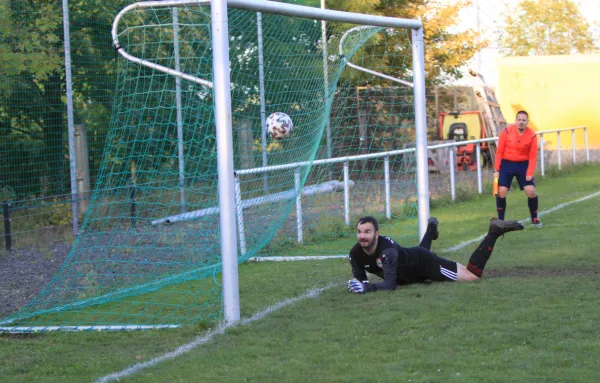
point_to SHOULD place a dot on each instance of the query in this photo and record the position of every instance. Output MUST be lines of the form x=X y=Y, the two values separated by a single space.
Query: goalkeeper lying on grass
x=399 y=265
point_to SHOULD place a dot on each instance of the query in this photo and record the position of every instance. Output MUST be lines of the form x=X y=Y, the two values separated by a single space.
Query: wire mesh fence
x=35 y=179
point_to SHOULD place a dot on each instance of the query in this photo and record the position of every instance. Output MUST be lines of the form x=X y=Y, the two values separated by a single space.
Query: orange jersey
x=517 y=147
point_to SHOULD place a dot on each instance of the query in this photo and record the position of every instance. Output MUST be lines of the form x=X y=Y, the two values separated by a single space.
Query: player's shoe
x=432 y=225
x=500 y=226
x=537 y=223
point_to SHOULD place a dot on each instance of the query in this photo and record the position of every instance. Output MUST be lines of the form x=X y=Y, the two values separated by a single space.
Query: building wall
x=557 y=92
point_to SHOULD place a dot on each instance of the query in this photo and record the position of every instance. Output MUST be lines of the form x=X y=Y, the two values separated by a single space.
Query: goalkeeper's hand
x=356 y=286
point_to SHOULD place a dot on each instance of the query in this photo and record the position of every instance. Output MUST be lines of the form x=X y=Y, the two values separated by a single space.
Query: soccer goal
x=191 y=182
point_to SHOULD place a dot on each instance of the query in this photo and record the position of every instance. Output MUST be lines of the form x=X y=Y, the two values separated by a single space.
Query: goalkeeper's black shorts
x=427 y=265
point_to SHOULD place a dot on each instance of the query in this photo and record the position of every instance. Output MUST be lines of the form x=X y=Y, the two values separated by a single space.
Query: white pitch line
x=453 y=248
x=38 y=329
x=296 y=258
x=571 y=224
x=209 y=336
x=555 y=208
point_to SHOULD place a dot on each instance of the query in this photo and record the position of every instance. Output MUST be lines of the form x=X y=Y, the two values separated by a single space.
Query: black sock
x=533 y=207
x=482 y=254
x=501 y=207
x=429 y=236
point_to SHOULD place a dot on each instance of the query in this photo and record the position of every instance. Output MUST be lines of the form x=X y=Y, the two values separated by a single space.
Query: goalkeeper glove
x=356 y=286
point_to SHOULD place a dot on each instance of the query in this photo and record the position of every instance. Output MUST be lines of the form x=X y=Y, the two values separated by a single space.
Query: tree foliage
x=28 y=42
x=32 y=89
x=545 y=27
x=446 y=50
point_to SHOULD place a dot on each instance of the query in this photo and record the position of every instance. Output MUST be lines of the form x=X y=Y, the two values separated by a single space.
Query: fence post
x=478 y=154
x=346 y=195
x=70 y=117
x=388 y=208
x=263 y=113
x=240 y=213
x=298 y=188
x=587 y=150
x=451 y=155
x=542 y=152
x=178 y=103
x=558 y=149
x=573 y=142
x=7 y=237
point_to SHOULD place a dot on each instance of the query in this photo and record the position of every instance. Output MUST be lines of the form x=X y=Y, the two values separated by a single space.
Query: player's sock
x=431 y=234
x=482 y=254
x=501 y=207
x=533 y=207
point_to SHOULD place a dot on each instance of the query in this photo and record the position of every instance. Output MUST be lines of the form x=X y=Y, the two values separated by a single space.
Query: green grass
x=533 y=318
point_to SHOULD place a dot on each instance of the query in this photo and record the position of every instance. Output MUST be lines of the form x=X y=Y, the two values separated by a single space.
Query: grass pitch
x=533 y=318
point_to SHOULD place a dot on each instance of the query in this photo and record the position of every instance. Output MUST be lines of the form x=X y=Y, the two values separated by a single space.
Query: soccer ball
x=279 y=125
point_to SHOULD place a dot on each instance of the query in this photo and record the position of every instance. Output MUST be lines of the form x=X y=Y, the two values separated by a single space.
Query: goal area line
x=99 y=328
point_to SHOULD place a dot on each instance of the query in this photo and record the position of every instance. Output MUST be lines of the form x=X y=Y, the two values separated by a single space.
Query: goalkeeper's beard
x=369 y=246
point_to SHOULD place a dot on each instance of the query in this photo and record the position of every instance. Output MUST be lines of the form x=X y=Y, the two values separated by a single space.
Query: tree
x=33 y=128
x=446 y=51
x=30 y=104
x=545 y=27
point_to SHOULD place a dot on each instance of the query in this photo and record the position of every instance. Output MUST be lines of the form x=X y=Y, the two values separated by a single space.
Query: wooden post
x=83 y=169
x=455 y=101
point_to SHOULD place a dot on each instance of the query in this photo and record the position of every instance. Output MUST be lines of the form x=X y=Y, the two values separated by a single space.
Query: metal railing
x=299 y=191
x=541 y=149
x=557 y=131
x=386 y=155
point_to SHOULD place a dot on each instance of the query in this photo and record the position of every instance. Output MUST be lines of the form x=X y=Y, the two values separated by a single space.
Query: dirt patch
x=25 y=272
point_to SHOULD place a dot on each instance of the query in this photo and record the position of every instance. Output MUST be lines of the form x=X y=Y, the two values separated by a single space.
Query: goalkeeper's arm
x=389 y=259
x=358 y=271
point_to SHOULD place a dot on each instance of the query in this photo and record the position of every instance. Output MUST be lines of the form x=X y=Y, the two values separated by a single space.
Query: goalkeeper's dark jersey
x=397 y=265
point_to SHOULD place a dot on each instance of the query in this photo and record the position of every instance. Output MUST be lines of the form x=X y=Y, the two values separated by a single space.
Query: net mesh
x=149 y=250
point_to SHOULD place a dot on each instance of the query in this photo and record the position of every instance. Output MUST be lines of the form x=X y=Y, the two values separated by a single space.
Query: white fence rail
x=541 y=161
x=387 y=155
x=558 y=131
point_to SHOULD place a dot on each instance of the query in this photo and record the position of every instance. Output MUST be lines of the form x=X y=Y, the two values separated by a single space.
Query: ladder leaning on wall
x=493 y=120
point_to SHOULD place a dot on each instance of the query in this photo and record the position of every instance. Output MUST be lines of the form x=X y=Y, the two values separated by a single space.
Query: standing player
x=399 y=265
x=516 y=157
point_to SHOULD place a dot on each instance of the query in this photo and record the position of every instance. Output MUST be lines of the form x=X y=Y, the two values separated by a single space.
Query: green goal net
x=148 y=254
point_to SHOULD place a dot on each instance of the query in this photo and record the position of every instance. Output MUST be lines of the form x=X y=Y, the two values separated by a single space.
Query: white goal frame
x=221 y=86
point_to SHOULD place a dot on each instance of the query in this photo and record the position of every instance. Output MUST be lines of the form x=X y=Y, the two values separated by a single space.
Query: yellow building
x=557 y=92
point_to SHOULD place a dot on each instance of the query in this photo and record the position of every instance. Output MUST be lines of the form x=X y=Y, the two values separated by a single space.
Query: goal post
x=222 y=104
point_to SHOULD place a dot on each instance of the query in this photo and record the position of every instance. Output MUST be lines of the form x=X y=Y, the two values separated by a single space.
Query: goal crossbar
x=301 y=11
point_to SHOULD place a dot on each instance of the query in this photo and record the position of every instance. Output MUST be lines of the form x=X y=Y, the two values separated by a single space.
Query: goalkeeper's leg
x=431 y=234
x=483 y=252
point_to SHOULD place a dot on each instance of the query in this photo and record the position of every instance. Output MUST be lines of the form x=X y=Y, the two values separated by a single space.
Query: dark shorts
x=510 y=169
x=429 y=266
